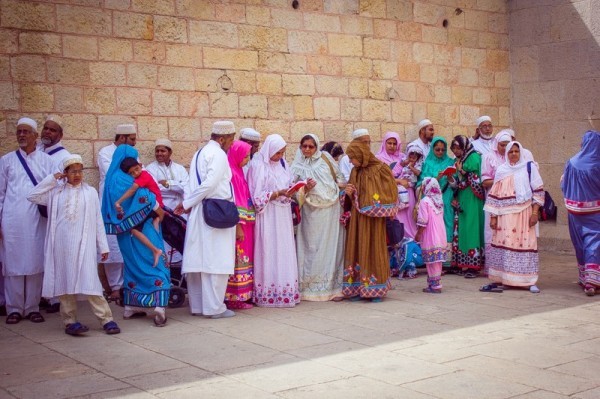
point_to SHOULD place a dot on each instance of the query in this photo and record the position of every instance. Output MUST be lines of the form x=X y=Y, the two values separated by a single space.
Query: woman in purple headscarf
x=390 y=152
x=581 y=189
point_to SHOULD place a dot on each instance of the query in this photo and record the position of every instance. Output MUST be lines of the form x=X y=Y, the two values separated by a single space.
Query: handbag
x=218 y=213
x=42 y=209
x=549 y=211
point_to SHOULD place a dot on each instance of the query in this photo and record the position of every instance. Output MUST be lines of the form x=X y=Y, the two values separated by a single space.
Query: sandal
x=589 y=290
x=160 y=317
x=35 y=317
x=493 y=287
x=111 y=328
x=134 y=315
x=75 y=329
x=471 y=274
x=14 y=318
x=431 y=290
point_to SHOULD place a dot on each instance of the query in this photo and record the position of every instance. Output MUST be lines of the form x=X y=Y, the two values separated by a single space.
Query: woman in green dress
x=468 y=240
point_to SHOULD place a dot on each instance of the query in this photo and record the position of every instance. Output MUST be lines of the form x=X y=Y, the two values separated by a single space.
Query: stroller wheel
x=176 y=297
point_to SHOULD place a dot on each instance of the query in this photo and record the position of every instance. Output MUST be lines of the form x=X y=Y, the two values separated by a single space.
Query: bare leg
x=157 y=253
x=156 y=223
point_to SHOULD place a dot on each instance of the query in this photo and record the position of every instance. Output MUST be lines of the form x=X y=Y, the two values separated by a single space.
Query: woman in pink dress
x=241 y=282
x=431 y=233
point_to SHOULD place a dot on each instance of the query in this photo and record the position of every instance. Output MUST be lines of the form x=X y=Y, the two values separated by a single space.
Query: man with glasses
x=22 y=227
x=482 y=140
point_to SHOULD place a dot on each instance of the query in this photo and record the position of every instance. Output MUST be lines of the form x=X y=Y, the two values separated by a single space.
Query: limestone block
x=331 y=86
x=350 y=111
x=28 y=68
x=374 y=129
x=281 y=108
x=280 y=62
x=253 y=106
x=219 y=34
x=425 y=92
x=376 y=48
x=401 y=111
x=473 y=58
x=310 y=5
x=375 y=110
x=266 y=127
x=569 y=21
x=101 y=100
x=448 y=75
x=79 y=127
x=378 y=89
x=68 y=71
x=207 y=80
x=107 y=73
x=434 y=34
x=482 y=96
x=462 y=37
x=486 y=78
x=409 y=71
x=322 y=22
x=462 y=95
x=303 y=107
x=185 y=129
x=504 y=116
x=30 y=42
x=468 y=77
x=117 y=4
x=195 y=9
x=230 y=12
x=372 y=8
x=526 y=64
x=83 y=20
x=468 y=114
x=409 y=31
x=37 y=97
x=423 y=53
x=493 y=40
x=399 y=10
x=298 y=84
x=358 y=25
x=407 y=91
x=152 y=127
x=497 y=60
x=176 y=78
x=428 y=14
x=288 y=19
x=133 y=25
x=337 y=131
x=503 y=98
x=491 y=111
x=84 y=148
x=223 y=105
x=268 y=83
x=327 y=108
x=385 y=69
x=498 y=23
x=165 y=103
x=68 y=99
x=452 y=114
x=324 y=65
x=345 y=45
x=341 y=6
x=384 y=28
x=142 y=75
x=354 y=66
x=256 y=15
x=107 y=125
x=115 y=50
x=428 y=73
x=307 y=42
x=358 y=88
x=230 y=59
x=436 y=112
x=447 y=55
x=502 y=79
x=81 y=47
x=170 y=29
x=184 y=55
x=262 y=38
x=302 y=128
x=134 y=101
x=5 y=68
x=243 y=81
x=443 y=94
x=27 y=15
x=150 y=52
x=477 y=20
x=493 y=5
x=154 y=6
x=8 y=96
x=193 y=104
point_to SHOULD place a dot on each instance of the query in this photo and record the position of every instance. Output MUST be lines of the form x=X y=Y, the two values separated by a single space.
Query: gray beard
x=486 y=136
x=46 y=142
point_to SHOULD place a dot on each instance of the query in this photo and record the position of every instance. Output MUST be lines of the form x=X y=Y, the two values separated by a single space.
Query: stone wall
x=555 y=75
x=172 y=67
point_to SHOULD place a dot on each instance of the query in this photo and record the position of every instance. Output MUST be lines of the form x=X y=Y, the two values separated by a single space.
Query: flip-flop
x=75 y=329
x=111 y=328
x=491 y=288
x=35 y=317
x=470 y=274
x=135 y=315
x=14 y=318
x=430 y=290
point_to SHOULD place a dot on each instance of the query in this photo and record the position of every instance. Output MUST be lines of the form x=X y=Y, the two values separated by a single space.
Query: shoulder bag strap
x=57 y=149
x=26 y=167
x=324 y=157
x=200 y=181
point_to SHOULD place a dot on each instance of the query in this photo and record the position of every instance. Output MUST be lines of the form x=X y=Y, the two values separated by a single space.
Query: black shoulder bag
x=549 y=211
x=43 y=209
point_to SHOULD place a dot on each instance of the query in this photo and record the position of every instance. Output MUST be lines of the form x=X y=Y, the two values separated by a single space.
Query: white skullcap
x=29 y=122
x=483 y=118
x=504 y=135
x=72 y=159
x=164 y=142
x=54 y=118
x=422 y=124
x=223 y=128
x=509 y=131
x=249 y=134
x=359 y=133
x=126 y=129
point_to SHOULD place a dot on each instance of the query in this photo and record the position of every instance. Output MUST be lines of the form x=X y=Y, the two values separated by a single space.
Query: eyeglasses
x=75 y=172
x=24 y=132
x=308 y=146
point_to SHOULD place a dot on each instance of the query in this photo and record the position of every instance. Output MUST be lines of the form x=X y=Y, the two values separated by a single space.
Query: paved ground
x=461 y=344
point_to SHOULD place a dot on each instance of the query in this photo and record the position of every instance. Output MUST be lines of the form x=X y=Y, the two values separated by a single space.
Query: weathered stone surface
x=9 y=98
x=184 y=55
x=268 y=83
x=331 y=86
x=166 y=7
x=288 y=19
x=27 y=15
x=327 y=108
x=100 y=100
x=257 y=15
x=307 y=42
x=345 y=45
x=230 y=12
x=303 y=107
x=360 y=67
x=278 y=62
x=176 y=78
x=385 y=28
x=213 y=33
x=165 y=103
x=28 y=68
x=356 y=25
x=150 y=52
x=341 y=6
x=281 y=108
x=142 y=75
x=324 y=65
x=230 y=59
x=107 y=73
x=322 y=23
x=350 y=111
x=423 y=53
x=67 y=71
x=253 y=106
x=373 y=110
x=68 y=99
x=37 y=97
x=298 y=84
x=133 y=25
x=134 y=101
x=193 y=104
x=170 y=29
x=185 y=129
x=372 y=8
x=83 y=20
x=115 y=50
x=30 y=42
x=223 y=105
x=80 y=47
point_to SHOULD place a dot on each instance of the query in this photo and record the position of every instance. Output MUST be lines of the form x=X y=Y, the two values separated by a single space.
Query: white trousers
x=23 y=293
x=114 y=275
x=2 y=298
x=206 y=293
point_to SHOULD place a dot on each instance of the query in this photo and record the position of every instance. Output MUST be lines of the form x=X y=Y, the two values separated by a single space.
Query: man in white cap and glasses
x=22 y=227
x=209 y=255
x=172 y=178
x=361 y=135
x=484 y=133
x=50 y=141
x=426 y=131
x=113 y=265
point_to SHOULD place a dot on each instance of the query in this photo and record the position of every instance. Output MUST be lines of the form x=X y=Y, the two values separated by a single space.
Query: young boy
x=142 y=179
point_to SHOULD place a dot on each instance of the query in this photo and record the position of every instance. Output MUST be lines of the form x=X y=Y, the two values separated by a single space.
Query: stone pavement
x=460 y=344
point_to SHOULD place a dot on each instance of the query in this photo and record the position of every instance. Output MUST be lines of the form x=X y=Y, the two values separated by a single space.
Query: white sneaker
x=534 y=289
x=225 y=314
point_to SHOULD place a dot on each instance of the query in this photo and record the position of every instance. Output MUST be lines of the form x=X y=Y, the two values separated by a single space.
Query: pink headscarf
x=386 y=158
x=236 y=154
x=431 y=189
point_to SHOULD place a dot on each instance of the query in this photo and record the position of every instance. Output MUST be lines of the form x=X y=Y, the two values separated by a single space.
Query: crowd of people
x=264 y=232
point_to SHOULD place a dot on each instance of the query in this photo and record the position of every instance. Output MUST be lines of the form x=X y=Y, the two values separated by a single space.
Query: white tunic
x=177 y=177
x=482 y=146
x=105 y=156
x=345 y=167
x=207 y=249
x=57 y=155
x=75 y=232
x=424 y=146
x=23 y=229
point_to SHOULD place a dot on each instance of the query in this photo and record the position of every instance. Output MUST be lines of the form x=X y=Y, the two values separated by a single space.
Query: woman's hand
x=403 y=183
x=533 y=219
x=440 y=175
x=104 y=256
x=494 y=222
x=239 y=233
x=118 y=207
x=310 y=184
x=350 y=190
x=418 y=237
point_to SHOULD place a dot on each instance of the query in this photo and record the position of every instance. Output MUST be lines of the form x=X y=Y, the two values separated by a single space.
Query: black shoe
x=2 y=310
x=44 y=304
x=54 y=308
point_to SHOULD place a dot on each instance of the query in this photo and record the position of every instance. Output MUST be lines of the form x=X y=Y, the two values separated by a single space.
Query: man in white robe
x=113 y=266
x=345 y=165
x=209 y=255
x=74 y=233
x=252 y=137
x=22 y=229
x=51 y=141
x=426 y=131
x=172 y=178
x=482 y=140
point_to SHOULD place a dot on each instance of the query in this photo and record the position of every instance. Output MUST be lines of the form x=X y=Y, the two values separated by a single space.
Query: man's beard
x=486 y=136
x=47 y=142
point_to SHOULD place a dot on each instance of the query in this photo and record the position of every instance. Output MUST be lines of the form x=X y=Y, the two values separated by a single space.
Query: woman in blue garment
x=144 y=285
x=581 y=189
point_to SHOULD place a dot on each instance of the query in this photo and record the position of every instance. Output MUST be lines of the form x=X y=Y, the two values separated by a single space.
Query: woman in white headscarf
x=513 y=202
x=275 y=264
x=320 y=239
